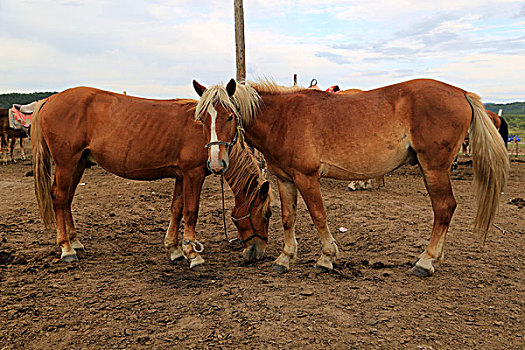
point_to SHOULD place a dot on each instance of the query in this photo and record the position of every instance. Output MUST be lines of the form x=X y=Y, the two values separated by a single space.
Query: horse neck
x=257 y=130
x=243 y=176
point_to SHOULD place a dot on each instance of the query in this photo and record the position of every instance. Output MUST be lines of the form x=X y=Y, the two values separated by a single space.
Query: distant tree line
x=514 y=114
x=508 y=108
x=7 y=100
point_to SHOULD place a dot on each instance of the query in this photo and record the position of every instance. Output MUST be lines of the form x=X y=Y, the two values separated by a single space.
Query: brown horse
x=306 y=134
x=499 y=123
x=8 y=137
x=139 y=139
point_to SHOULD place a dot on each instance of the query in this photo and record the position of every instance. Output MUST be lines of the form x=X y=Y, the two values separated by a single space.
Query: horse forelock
x=248 y=102
x=244 y=175
x=213 y=95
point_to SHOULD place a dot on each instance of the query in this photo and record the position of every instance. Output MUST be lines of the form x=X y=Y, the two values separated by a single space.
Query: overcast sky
x=156 y=48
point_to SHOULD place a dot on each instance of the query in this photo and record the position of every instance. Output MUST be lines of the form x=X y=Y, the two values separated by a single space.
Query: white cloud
x=155 y=48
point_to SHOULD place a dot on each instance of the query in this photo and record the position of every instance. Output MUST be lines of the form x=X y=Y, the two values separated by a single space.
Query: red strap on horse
x=334 y=89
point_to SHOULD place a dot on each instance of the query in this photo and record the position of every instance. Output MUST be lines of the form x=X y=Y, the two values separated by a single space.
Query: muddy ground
x=125 y=293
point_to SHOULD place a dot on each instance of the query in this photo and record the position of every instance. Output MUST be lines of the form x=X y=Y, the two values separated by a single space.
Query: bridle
x=249 y=217
x=239 y=130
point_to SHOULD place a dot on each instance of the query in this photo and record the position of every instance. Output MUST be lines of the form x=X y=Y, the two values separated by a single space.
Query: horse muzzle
x=217 y=167
x=254 y=251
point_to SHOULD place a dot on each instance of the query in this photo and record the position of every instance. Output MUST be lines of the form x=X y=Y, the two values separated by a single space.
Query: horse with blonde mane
x=306 y=134
x=139 y=139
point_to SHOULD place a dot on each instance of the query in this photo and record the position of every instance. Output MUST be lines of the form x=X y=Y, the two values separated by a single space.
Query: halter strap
x=239 y=130
x=249 y=217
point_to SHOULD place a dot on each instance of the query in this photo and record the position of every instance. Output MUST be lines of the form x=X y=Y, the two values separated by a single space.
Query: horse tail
x=491 y=165
x=42 y=169
x=504 y=130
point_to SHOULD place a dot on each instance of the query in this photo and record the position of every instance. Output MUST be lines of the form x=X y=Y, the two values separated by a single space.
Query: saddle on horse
x=20 y=115
x=333 y=88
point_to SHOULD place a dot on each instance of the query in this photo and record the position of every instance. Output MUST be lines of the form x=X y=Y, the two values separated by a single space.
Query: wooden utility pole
x=239 y=41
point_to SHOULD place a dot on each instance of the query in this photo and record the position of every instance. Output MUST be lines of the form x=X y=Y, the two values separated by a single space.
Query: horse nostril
x=208 y=165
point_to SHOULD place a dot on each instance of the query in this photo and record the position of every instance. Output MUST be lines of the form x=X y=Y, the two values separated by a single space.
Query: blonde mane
x=244 y=174
x=248 y=103
x=270 y=87
x=213 y=95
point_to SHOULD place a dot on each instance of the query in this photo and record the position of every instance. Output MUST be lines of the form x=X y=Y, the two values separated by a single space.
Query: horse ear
x=264 y=190
x=230 y=88
x=198 y=88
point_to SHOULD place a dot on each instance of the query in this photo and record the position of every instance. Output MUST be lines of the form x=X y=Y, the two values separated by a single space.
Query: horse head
x=252 y=222
x=220 y=120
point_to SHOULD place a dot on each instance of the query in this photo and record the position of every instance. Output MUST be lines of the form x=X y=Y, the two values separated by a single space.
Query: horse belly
x=136 y=165
x=365 y=162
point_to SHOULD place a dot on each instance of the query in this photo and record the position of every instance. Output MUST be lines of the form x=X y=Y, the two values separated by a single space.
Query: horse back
x=128 y=136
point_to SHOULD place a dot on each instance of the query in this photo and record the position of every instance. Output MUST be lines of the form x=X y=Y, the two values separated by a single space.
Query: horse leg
x=61 y=202
x=439 y=188
x=171 y=241
x=22 y=150
x=12 y=150
x=288 y=195
x=192 y=186
x=310 y=189
x=70 y=225
x=3 y=148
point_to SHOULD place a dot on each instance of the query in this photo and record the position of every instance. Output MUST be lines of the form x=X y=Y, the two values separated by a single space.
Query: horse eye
x=230 y=117
x=268 y=215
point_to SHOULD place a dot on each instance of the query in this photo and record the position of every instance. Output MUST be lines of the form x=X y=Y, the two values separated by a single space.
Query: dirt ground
x=125 y=293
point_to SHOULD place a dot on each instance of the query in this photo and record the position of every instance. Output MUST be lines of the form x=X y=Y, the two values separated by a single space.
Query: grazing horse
x=8 y=138
x=139 y=139
x=306 y=134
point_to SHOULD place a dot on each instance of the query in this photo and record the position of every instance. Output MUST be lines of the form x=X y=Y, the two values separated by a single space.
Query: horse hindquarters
x=55 y=196
x=491 y=166
x=436 y=146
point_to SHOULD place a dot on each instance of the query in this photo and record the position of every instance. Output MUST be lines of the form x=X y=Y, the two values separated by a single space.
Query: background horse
x=138 y=139
x=501 y=125
x=306 y=134
x=8 y=137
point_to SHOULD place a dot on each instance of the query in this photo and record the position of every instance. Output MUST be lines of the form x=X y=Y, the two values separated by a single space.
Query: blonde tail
x=491 y=165
x=42 y=169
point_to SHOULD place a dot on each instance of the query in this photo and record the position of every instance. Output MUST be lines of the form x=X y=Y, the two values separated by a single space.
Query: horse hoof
x=420 y=272
x=81 y=252
x=279 y=268
x=176 y=259
x=198 y=267
x=176 y=255
x=197 y=263
x=322 y=269
x=70 y=258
